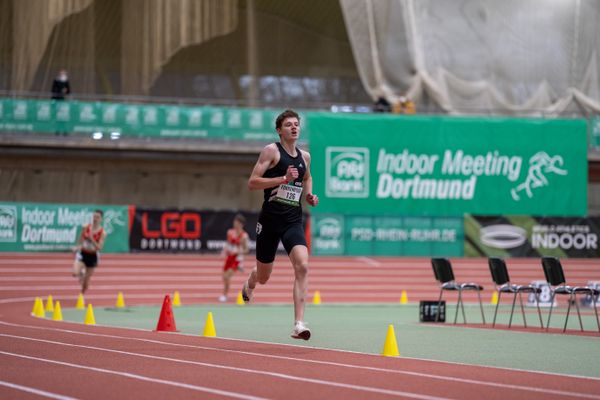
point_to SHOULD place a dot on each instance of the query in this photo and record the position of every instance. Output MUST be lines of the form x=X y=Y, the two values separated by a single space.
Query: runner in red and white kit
x=88 y=248
x=283 y=173
x=235 y=248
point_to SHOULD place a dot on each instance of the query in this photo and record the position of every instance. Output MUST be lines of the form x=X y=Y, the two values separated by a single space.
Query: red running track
x=46 y=359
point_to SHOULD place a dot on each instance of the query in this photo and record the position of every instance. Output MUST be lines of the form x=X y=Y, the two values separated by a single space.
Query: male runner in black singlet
x=283 y=172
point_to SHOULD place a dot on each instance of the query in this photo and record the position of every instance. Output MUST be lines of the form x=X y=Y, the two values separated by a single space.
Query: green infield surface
x=363 y=328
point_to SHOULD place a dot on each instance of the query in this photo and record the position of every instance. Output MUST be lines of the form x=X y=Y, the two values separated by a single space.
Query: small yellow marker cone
x=35 y=306
x=50 y=304
x=404 y=297
x=494 y=299
x=176 y=299
x=120 y=301
x=57 y=314
x=80 y=302
x=209 y=326
x=39 y=309
x=89 y=316
x=240 y=300
x=317 y=297
x=390 y=348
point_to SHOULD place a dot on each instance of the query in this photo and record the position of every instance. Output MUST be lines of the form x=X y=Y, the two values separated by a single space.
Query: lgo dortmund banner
x=441 y=166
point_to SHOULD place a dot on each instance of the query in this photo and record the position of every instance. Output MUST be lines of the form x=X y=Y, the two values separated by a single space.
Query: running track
x=41 y=358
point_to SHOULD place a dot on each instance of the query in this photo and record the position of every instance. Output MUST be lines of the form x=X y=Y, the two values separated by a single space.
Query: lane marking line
x=236 y=369
x=139 y=377
x=39 y=392
x=369 y=261
x=376 y=369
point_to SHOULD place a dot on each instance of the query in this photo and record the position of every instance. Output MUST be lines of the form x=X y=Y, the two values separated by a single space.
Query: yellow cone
x=89 y=316
x=176 y=299
x=390 y=348
x=404 y=297
x=317 y=297
x=209 y=326
x=494 y=299
x=35 y=306
x=240 y=299
x=39 y=309
x=120 y=301
x=57 y=314
x=80 y=302
x=50 y=304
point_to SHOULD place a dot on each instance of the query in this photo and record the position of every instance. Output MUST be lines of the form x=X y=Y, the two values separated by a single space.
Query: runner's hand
x=291 y=173
x=312 y=199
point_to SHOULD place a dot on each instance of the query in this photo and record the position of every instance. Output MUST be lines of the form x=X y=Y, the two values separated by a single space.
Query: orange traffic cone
x=166 y=321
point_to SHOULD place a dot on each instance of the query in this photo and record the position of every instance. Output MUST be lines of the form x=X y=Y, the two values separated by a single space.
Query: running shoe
x=222 y=298
x=246 y=293
x=300 y=331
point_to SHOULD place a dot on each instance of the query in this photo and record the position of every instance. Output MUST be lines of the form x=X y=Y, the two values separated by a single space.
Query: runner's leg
x=299 y=259
x=86 y=279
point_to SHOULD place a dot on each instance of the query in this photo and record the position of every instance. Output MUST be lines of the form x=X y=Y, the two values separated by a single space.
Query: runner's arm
x=268 y=156
x=311 y=198
x=244 y=244
x=100 y=243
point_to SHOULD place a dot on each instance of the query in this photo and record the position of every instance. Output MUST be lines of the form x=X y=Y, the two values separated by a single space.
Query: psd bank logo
x=329 y=235
x=8 y=223
x=347 y=172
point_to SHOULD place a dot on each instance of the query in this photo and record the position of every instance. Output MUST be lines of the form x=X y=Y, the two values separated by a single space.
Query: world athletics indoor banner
x=527 y=236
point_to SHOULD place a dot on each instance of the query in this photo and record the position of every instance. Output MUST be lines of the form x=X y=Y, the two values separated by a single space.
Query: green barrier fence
x=33 y=227
x=148 y=120
x=442 y=166
x=595 y=133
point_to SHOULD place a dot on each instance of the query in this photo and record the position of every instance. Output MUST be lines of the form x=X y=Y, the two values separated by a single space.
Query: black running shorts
x=90 y=260
x=269 y=233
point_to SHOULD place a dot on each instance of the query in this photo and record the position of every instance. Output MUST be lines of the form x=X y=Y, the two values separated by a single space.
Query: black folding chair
x=502 y=280
x=555 y=276
x=442 y=269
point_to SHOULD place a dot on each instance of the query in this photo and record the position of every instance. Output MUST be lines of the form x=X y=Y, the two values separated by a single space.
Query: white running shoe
x=300 y=331
x=222 y=298
x=246 y=293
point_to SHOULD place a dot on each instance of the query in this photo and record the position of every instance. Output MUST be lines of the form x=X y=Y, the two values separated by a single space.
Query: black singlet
x=283 y=201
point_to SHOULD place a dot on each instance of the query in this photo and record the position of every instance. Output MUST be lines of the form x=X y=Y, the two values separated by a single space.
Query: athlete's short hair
x=241 y=218
x=286 y=114
x=99 y=212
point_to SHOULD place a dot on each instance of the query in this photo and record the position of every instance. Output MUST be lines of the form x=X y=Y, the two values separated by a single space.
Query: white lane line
x=352 y=366
x=139 y=377
x=369 y=261
x=391 y=289
x=237 y=369
x=39 y=392
x=315 y=277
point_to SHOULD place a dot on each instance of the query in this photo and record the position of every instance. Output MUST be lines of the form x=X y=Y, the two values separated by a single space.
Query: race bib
x=289 y=194
x=88 y=245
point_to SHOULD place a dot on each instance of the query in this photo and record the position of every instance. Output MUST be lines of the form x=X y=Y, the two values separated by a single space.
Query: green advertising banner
x=360 y=235
x=448 y=166
x=595 y=132
x=29 y=227
x=148 y=120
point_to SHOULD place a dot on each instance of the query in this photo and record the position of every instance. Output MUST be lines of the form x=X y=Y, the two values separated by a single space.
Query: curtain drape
x=153 y=31
x=33 y=24
x=474 y=56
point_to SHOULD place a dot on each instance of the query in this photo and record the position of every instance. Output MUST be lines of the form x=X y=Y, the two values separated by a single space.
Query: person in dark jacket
x=61 y=86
